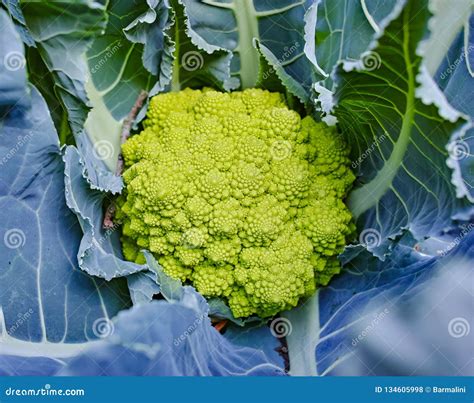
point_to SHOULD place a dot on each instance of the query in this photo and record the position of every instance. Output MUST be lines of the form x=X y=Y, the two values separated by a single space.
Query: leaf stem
x=247 y=26
x=304 y=337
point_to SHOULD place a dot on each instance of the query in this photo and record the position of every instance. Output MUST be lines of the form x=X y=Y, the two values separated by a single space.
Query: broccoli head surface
x=237 y=195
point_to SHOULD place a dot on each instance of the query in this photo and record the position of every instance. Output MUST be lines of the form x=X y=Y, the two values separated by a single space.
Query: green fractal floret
x=237 y=195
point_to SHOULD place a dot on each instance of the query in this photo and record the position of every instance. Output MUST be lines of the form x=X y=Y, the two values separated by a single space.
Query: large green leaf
x=197 y=63
x=337 y=30
x=132 y=55
x=63 y=31
x=342 y=30
x=398 y=123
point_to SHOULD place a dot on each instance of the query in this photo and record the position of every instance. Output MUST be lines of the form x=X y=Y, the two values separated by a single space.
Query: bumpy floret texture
x=237 y=195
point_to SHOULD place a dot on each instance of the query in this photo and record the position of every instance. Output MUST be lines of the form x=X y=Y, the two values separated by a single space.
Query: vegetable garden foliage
x=360 y=65
x=40 y=233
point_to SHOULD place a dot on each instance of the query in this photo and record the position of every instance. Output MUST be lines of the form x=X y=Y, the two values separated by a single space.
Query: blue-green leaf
x=339 y=30
x=455 y=76
x=59 y=302
x=143 y=286
x=14 y=9
x=370 y=293
x=48 y=306
x=94 y=157
x=259 y=337
x=398 y=124
x=100 y=251
x=12 y=68
x=170 y=339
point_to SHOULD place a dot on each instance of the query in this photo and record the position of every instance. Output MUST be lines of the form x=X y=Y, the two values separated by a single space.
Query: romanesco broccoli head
x=237 y=195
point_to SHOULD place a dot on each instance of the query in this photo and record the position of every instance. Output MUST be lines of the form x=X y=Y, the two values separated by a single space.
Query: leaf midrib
x=368 y=195
x=247 y=27
x=175 y=76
